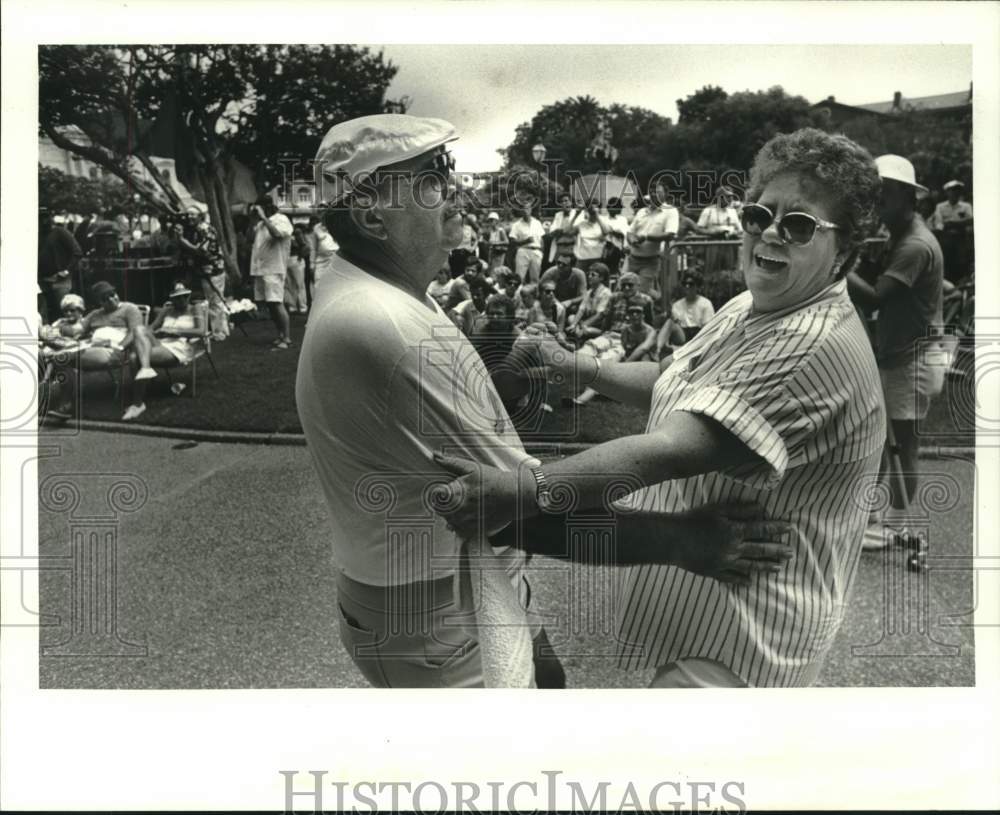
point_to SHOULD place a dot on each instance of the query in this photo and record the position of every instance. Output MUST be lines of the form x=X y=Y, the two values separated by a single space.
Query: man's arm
x=872 y=297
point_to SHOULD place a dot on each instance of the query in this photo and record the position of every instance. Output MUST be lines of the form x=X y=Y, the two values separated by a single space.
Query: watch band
x=543 y=495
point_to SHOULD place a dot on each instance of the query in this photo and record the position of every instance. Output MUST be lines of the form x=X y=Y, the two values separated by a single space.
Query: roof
x=941 y=101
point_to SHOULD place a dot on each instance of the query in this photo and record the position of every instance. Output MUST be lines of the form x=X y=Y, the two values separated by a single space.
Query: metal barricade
x=724 y=283
x=145 y=280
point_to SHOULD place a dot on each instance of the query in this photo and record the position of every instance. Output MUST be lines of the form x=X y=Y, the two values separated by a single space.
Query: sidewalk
x=225 y=579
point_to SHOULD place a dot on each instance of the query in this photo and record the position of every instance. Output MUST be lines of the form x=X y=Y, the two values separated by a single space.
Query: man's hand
x=481 y=497
x=731 y=543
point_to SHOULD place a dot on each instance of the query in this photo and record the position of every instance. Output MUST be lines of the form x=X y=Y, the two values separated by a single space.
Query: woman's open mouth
x=768 y=263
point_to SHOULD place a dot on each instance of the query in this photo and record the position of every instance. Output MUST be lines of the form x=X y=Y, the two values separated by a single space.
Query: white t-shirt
x=618 y=223
x=589 y=240
x=439 y=290
x=692 y=315
x=661 y=220
x=270 y=254
x=519 y=230
x=383 y=381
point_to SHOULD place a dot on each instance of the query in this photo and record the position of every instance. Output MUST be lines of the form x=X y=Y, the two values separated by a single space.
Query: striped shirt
x=799 y=388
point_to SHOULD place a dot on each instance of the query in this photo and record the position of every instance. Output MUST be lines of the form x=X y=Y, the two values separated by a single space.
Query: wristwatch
x=543 y=496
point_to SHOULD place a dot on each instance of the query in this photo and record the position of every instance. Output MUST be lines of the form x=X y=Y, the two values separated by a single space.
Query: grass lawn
x=255 y=392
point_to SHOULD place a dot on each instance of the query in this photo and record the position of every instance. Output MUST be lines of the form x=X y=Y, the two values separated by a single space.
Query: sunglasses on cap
x=441 y=164
x=796 y=228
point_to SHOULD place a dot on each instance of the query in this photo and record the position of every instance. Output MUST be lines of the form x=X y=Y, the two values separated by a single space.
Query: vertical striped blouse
x=799 y=388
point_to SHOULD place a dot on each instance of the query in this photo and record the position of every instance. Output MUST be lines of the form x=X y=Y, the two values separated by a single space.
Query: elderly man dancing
x=385 y=382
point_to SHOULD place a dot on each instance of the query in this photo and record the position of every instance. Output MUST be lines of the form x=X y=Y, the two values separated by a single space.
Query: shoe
x=546 y=407
x=177 y=388
x=281 y=346
x=881 y=536
x=63 y=413
x=133 y=412
x=146 y=373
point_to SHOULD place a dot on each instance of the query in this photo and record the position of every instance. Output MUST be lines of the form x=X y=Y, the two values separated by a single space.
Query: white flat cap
x=953 y=183
x=352 y=150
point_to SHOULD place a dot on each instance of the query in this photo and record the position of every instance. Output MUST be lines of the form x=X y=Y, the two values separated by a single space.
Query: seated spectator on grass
x=108 y=333
x=494 y=338
x=461 y=287
x=548 y=309
x=466 y=313
x=569 y=280
x=693 y=310
x=524 y=304
x=586 y=322
x=638 y=336
x=507 y=282
x=628 y=287
x=635 y=342
x=439 y=289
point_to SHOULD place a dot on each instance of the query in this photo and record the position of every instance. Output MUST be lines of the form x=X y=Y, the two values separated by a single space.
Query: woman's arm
x=727 y=542
x=684 y=445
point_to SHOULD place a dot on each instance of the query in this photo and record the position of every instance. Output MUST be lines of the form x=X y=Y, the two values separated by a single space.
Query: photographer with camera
x=200 y=243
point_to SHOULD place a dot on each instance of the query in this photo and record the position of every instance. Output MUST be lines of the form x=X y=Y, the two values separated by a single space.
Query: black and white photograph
x=376 y=395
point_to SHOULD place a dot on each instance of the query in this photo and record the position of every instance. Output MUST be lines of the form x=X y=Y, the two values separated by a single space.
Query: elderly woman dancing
x=776 y=402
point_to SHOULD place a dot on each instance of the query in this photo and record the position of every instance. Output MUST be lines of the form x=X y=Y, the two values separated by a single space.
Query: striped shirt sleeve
x=751 y=396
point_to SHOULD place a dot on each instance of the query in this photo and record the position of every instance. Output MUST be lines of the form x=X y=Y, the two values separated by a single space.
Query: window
x=305 y=196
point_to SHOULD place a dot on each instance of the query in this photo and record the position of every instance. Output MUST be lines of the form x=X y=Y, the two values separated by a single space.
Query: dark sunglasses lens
x=797 y=228
x=755 y=219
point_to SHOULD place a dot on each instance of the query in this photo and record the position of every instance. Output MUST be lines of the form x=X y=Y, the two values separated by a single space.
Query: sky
x=487 y=90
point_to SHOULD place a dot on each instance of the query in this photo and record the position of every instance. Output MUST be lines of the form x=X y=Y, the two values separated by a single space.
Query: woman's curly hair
x=841 y=168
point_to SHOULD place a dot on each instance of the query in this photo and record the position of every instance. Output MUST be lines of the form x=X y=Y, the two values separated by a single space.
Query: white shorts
x=269 y=288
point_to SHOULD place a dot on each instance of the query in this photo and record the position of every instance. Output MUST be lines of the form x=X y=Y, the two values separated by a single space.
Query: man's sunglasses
x=796 y=228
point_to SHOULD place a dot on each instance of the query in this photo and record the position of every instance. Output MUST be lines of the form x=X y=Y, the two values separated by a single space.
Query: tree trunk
x=220 y=216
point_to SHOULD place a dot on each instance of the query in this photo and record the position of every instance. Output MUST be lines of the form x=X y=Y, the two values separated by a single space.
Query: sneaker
x=146 y=373
x=133 y=412
x=281 y=346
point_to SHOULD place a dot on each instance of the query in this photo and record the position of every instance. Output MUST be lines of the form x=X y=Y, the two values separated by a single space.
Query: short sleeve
x=754 y=399
x=908 y=262
x=703 y=218
x=283 y=225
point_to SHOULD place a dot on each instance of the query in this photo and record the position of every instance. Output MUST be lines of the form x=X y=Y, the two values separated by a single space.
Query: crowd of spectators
x=590 y=274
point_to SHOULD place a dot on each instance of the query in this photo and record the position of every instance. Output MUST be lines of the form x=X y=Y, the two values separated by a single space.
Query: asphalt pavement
x=223 y=578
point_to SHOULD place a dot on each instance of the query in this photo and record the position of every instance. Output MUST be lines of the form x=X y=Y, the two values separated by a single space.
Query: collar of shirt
x=755 y=324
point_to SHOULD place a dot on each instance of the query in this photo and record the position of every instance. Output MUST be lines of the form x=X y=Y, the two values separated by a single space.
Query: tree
x=568 y=127
x=205 y=106
x=698 y=106
x=60 y=192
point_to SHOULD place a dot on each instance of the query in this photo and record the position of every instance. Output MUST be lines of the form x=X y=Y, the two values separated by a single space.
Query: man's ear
x=368 y=220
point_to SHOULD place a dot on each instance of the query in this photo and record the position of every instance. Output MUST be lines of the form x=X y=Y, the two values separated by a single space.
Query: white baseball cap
x=351 y=151
x=493 y=216
x=953 y=183
x=897 y=168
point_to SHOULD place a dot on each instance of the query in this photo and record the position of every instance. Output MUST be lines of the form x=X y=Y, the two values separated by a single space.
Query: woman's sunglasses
x=796 y=228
